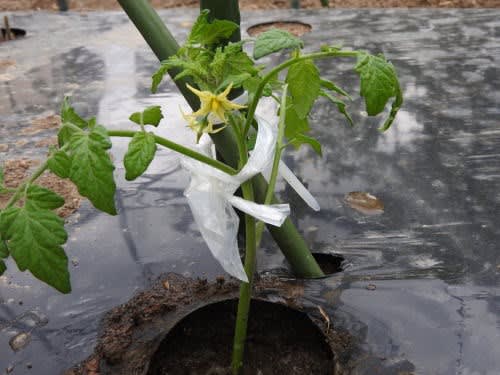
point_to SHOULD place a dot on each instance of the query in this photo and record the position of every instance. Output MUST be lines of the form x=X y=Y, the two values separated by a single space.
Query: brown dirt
x=253 y=4
x=295 y=28
x=40 y=124
x=198 y=316
x=17 y=170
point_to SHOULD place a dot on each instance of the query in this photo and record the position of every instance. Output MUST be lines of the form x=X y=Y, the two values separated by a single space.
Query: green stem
x=21 y=188
x=180 y=149
x=276 y=162
x=317 y=55
x=240 y=332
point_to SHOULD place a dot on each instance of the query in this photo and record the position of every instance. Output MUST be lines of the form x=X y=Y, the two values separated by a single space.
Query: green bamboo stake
x=164 y=45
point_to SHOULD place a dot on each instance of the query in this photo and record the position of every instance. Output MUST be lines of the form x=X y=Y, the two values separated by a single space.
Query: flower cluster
x=212 y=112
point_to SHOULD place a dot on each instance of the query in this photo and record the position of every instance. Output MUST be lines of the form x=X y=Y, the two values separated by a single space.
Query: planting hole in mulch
x=185 y=326
x=14 y=34
x=296 y=28
x=10 y=33
x=329 y=263
x=281 y=340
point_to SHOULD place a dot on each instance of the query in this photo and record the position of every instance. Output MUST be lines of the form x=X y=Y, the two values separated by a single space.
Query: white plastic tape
x=211 y=197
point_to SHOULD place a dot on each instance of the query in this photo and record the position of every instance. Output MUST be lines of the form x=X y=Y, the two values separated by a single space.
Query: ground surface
x=253 y=4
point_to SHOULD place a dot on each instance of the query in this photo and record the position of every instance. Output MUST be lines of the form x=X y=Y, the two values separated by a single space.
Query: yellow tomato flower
x=215 y=105
x=200 y=127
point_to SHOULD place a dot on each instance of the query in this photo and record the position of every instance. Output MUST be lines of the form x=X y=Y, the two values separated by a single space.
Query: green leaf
x=158 y=77
x=251 y=84
x=235 y=80
x=91 y=168
x=396 y=105
x=341 y=106
x=251 y=140
x=69 y=115
x=274 y=40
x=60 y=164
x=140 y=153
x=35 y=238
x=3 y=267
x=64 y=134
x=231 y=64
x=43 y=198
x=327 y=84
x=191 y=64
x=239 y=63
x=2 y=186
x=293 y=123
x=4 y=251
x=304 y=84
x=379 y=83
x=301 y=139
x=207 y=34
x=150 y=116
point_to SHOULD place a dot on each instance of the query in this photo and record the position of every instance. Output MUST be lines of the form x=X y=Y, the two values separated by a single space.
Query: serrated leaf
x=293 y=123
x=341 y=106
x=235 y=80
x=274 y=40
x=158 y=77
x=150 y=116
x=301 y=139
x=43 y=198
x=35 y=238
x=68 y=114
x=327 y=84
x=59 y=163
x=396 y=105
x=140 y=153
x=64 y=134
x=379 y=83
x=91 y=168
x=4 y=251
x=239 y=63
x=251 y=84
x=208 y=33
x=304 y=84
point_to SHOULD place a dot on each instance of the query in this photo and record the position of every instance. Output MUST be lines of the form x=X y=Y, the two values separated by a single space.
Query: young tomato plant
x=34 y=235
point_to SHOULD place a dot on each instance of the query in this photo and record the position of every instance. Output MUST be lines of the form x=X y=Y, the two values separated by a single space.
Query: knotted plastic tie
x=210 y=195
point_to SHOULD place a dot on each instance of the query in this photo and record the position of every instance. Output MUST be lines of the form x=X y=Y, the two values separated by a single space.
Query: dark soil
x=329 y=263
x=281 y=341
x=185 y=326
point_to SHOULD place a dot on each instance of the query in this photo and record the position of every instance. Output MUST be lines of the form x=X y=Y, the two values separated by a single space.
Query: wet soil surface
x=252 y=4
x=185 y=326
